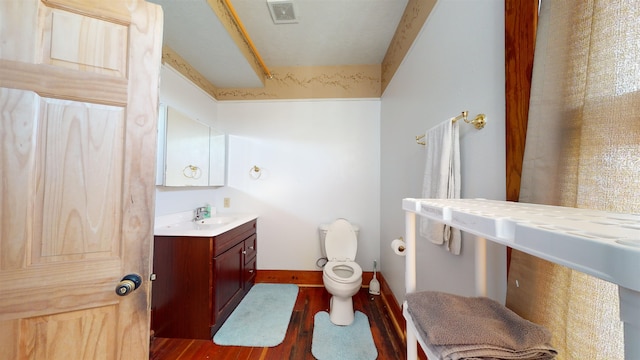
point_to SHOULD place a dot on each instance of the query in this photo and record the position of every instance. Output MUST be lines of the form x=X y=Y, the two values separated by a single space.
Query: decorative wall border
x=173 y=59
x=360 y=81
x=412 y=21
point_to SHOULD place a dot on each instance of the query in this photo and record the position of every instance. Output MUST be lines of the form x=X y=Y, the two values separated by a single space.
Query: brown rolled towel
x=477 y=326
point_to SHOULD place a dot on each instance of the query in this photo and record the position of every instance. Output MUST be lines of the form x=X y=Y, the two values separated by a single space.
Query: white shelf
x=599 y=243
x=602 y=244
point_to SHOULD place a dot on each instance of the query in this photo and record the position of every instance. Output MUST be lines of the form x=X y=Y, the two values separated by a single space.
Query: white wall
x=320 y=160
x=455 y=64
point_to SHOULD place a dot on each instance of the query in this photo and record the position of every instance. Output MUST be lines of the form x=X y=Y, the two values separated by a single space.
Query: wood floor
x=297 y=344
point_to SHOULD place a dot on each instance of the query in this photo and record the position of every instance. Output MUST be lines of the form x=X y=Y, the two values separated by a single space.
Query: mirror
x=217 y=157
x=190 y=153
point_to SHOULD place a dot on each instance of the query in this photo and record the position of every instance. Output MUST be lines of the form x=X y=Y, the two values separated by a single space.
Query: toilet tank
x=322 y=230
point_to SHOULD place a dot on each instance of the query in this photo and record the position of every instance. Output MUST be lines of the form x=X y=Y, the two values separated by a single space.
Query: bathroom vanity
x=202 y=273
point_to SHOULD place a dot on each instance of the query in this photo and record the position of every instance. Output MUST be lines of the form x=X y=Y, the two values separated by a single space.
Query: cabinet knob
x=244 y=252
x=250 y=271
x=250 y=247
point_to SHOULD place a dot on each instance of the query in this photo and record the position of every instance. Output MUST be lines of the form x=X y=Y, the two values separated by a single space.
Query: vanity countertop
x=182 y=224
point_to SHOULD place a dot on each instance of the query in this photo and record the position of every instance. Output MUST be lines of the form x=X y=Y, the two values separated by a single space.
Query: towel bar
x=478 y=122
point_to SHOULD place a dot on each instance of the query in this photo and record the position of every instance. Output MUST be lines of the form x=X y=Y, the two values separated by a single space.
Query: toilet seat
x=332 y=271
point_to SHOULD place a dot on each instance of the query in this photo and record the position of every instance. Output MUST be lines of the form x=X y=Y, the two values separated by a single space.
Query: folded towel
x=442 y=180
x=486 y=352
x=476 y=328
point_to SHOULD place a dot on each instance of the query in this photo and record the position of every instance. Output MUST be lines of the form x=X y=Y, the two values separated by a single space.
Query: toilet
x=342 y=276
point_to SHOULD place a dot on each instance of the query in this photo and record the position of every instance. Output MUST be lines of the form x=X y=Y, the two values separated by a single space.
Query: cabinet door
x=228 y=282
x=217 y=158
x=187 y=151
x=190 y=153
x=182 y=291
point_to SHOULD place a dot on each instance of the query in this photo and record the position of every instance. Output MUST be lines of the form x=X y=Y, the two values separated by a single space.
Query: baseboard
x=395 y=311
x=310 y=278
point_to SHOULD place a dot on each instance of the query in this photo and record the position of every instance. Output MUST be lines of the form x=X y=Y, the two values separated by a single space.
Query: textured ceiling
x=328 y=33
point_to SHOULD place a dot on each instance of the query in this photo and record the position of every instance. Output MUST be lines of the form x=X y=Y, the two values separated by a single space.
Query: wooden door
x=78 y=112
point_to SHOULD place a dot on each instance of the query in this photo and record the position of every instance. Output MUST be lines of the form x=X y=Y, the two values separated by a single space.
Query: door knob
x=128 y=284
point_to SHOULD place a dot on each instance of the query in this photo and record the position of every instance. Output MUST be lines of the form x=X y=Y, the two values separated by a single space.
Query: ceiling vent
x=282 y=11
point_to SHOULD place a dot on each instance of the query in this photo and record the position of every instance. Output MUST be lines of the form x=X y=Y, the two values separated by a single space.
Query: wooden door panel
x=62 y=201
x=56 y=336
x=17 y=130
x=81 y=152
x=82 y=51
x=78 y=111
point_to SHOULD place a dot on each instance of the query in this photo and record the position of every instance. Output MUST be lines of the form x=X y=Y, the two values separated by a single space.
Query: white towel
x=442 y=180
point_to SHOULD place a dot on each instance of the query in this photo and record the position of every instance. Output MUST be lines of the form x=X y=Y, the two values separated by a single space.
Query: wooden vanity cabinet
x=201 y=280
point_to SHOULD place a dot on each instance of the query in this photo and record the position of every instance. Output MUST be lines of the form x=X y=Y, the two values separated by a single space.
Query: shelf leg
x=481 y=266
x=630 y=315
x=412 y=345
x=410 y=275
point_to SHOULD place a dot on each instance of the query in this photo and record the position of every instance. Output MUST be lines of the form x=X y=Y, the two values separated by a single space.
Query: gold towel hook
x=255 y=172
x=478 y=122
x=192 y=172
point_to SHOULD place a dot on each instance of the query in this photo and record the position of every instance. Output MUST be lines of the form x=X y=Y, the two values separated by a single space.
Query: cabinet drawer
x=250 y=273
x=250 y=248
x=227 y=240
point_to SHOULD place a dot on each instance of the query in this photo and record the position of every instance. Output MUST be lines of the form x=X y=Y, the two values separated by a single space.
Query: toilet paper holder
x=398 y=246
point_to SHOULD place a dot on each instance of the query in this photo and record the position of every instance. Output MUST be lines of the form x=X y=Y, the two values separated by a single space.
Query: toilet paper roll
x=398 y=247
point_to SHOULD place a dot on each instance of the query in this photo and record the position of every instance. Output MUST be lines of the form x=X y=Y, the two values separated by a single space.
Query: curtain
x=582 y=150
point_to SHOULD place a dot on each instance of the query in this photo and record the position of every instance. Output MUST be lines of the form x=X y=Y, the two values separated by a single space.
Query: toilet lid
x=341 y=242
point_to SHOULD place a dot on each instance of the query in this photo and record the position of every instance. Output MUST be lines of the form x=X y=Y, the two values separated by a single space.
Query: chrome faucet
x=201 y=213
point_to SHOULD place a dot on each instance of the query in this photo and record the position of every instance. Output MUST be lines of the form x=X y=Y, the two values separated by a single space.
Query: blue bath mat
x=262 y=317
x=352 y=342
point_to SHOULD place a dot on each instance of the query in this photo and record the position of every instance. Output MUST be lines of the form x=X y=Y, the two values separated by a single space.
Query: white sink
x=182 y=224
x=216 y=220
